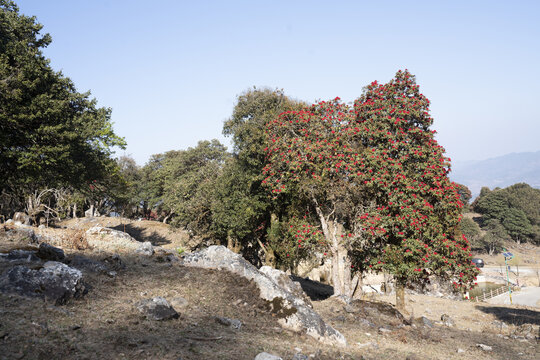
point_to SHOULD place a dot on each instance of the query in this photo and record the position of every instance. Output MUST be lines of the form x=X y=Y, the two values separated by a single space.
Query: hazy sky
x=171 y=70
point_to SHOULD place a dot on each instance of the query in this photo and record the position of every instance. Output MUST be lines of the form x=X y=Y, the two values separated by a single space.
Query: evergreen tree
x=51 y=136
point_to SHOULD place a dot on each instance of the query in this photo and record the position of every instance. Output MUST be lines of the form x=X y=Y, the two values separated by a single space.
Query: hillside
x=105 y=323
x=500 y=171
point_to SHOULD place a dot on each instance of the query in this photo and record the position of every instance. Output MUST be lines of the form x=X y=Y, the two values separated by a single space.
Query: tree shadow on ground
x=142 y=234
x=512 y=315
x=314 y=289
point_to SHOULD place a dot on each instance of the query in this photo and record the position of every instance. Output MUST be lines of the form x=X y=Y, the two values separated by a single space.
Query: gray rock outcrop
x=146 y=249
x=292 y=312
x=54 y=281
x=284 y=281
x=111 y=240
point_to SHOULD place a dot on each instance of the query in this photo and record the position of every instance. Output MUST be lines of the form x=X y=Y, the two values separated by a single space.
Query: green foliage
x=189 y=185
x=418 y=212
x=128 y=194
x=495 y=236
x=51 y=136
x=517 y=225
x=294 y=240
x=377 y=170
x=464 y=195
x=242 y=208
x=472 y=231
x=516 y=207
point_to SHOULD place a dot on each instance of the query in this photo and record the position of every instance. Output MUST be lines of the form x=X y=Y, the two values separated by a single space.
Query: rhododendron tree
x=312 y=154
x=416 y=221
x=378 y=182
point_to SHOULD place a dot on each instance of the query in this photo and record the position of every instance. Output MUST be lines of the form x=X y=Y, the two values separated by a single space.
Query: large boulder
x=285 y=282
x=293 y=312
x=111 y=240
x=54 y=281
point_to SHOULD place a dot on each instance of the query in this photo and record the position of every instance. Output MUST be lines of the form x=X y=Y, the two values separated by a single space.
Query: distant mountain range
x=500 y=171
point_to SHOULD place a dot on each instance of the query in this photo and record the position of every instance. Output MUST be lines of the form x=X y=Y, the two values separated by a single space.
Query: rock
x=22 y=255
x=24 y=232
x=114 y=262
x=300 y=356
x=51 y=253
x=267 y=356
x=21 y=217
x=146 y=249
x=460 y=351
x=179 y=302
x=157 y=309
x=285 y=282
x=500 y=325
x=447 y=320
x=426 y=322
x=55 y=281
x=103 y=231
x=484 y=347
x=165 y=255
x=366 y=322
x=108 y=239
x=292 y=312
x=232 y=323
x=89 y=265
x=384 y=331
x=10 y=222
x=351 y=309
x=362 y=345
x=526 y=330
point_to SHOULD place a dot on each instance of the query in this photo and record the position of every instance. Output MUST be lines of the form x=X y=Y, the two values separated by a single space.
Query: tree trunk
x=270 y=257
x=230 y=242
x=75 y=211
x=356 y=287
x=341 y=265
x=400 y=295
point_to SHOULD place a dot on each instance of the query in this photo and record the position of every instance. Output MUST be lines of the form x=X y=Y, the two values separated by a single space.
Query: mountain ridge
x=501 y=171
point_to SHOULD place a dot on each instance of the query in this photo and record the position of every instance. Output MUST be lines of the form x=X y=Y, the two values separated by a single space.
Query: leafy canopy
x=50 y=134
x=378 y=171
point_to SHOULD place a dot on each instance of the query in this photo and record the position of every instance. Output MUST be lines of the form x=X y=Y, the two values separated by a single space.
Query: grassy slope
x=106 y=324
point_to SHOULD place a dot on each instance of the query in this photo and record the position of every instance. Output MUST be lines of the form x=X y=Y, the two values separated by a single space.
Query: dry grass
x=74 y=239
x=105 y=324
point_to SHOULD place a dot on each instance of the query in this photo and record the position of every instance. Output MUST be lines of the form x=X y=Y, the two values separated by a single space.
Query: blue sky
x=171 y=70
